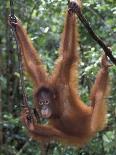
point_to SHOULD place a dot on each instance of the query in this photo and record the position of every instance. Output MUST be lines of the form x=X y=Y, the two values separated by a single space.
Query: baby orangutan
x=56 y=96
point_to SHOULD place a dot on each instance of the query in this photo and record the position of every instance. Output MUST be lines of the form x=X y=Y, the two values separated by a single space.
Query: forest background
x=44 y=22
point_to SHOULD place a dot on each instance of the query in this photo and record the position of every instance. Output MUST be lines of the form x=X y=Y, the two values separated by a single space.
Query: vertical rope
x=22 y=84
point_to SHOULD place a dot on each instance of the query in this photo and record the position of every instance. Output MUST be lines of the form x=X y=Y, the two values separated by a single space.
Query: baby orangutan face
x=44 y=100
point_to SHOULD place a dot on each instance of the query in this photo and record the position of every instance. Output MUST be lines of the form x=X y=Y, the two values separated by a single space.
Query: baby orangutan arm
x=37 y=130
x=31 y=60
x=98 y=96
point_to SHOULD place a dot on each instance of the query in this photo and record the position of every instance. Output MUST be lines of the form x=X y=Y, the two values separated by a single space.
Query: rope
x=88 y=27
x=11 y=8
x=22 y=84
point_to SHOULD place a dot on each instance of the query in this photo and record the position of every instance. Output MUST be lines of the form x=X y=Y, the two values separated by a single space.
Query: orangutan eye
x=41 y=103
x=46 y=102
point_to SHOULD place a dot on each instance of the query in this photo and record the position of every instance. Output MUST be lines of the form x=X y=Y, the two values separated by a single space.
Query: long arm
x=31 y=61
x=68 y=55
x=46 y=132
x=39 y=131
x=98 y=96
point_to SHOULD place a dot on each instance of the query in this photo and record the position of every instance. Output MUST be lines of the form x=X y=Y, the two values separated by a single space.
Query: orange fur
x=75 y=122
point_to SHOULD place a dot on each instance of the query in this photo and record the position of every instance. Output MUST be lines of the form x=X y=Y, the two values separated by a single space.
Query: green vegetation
x=44 y=22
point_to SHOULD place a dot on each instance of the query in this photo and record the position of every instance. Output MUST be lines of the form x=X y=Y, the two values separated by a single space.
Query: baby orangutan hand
x=28 y=119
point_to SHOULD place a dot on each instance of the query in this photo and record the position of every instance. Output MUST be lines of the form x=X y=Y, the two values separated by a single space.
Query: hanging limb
x=73 y=6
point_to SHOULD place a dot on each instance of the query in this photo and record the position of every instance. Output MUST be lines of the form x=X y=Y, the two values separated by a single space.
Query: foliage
x=44 y=22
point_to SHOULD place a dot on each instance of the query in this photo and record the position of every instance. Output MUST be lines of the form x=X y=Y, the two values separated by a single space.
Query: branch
x=75 y=8
x=24 y=146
